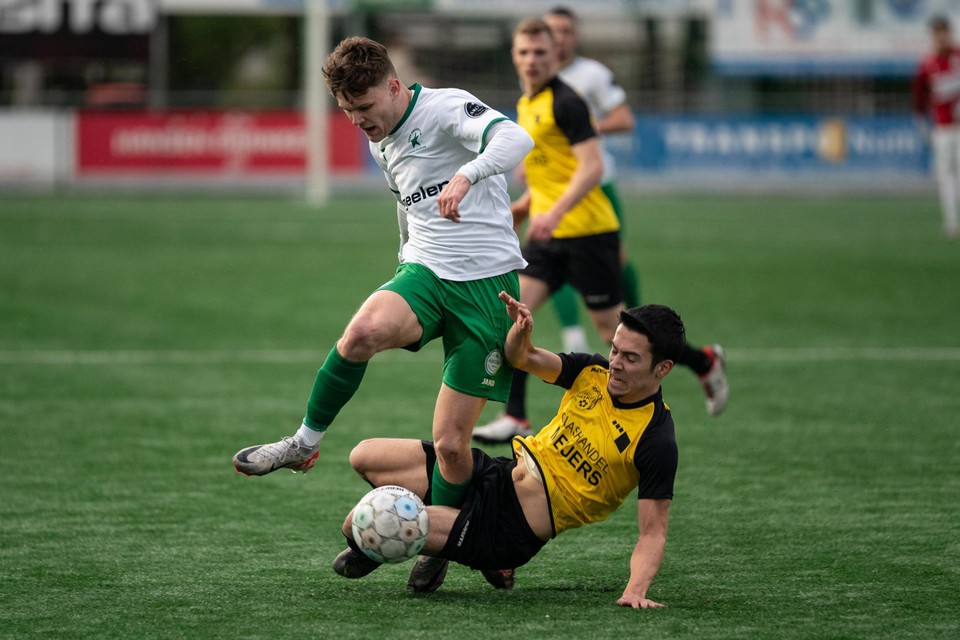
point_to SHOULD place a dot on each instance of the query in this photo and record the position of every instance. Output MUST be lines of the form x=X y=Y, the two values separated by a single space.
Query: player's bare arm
x=647 y=556
x=587 y=175
x=519 y=348
x=619 y=120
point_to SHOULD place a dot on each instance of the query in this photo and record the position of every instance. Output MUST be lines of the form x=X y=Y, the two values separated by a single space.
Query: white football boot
x=289 y=453
x=503 y=429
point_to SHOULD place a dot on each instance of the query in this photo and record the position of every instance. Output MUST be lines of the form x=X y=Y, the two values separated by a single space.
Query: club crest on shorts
x=493 y=362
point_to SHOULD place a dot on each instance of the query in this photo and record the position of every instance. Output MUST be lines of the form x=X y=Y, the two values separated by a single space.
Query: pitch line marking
x=841 y=354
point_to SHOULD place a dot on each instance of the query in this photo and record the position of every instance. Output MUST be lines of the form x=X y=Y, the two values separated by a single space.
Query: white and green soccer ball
x=390 y=524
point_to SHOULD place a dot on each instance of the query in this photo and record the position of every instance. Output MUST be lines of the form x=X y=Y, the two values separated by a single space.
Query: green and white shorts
x=471 y=319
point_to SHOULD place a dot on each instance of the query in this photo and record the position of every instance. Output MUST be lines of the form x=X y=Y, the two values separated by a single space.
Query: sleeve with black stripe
x=571 y=113
x=573 y=363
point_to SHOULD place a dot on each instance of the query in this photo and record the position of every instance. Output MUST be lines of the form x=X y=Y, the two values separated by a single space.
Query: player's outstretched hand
x=518 y=312
x=637 y=602
x=451 y=195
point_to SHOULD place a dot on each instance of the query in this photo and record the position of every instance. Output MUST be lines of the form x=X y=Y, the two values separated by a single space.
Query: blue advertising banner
x=840 y=146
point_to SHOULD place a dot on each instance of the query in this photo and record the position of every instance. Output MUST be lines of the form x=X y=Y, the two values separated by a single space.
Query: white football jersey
x=442 y=130
x=595 y=84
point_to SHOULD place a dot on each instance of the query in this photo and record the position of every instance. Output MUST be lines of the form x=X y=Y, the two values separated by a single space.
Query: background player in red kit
x=936 y=95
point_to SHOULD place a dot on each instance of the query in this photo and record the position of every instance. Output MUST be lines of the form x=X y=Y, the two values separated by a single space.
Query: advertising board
x=208 y=143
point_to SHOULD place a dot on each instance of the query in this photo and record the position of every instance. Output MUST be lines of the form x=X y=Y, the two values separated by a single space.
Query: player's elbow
x=526 y=142
x=624 y=122
x=515 y=136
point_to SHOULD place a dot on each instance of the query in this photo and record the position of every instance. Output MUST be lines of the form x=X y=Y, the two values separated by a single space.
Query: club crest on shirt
x=588 y=399
x=414 y=138
x=475 y=109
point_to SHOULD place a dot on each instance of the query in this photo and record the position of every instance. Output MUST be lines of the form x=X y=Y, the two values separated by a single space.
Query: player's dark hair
x=355 y=66
x=939 y=22
x=662 y=326
x=566 y=12
x=533 y=27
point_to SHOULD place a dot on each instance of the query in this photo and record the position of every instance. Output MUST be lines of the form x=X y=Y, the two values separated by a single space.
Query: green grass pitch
x=143 y=340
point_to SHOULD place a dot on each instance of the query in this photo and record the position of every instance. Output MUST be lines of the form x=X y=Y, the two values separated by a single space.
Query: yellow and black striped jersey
x=557 y=118
x=596 y=450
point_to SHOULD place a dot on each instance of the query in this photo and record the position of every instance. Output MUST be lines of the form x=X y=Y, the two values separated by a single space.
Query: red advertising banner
x=209 y=143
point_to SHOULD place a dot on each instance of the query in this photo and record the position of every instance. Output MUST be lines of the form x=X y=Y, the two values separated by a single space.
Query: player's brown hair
x=565 y=12
x=533 y=27
x=356 y=65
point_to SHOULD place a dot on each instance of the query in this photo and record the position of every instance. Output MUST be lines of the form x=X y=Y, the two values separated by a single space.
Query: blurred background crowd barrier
x=738 y=94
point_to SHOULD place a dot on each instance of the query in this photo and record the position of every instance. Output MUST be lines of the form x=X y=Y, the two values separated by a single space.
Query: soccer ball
x=390 y=524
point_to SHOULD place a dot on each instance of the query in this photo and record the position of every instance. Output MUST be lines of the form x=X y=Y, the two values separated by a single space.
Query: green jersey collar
x=413 y=101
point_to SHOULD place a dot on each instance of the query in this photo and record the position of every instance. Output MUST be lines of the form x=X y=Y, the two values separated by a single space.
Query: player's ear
x=663 y=368
x=394 y=86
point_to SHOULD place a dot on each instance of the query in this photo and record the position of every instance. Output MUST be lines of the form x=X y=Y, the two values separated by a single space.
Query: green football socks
x=446 y=493
x=336 y=382
x=565 y=304
x=630 y=284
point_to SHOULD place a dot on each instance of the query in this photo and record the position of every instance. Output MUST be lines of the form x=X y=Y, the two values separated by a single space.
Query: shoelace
x=280 y=450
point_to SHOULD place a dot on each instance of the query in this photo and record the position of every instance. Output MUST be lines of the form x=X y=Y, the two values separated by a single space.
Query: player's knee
x=363 y=456
x=453 y=451
x=361 y=340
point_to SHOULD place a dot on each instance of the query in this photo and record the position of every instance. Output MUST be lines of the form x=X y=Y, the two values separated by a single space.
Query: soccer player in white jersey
x=443 y=153
x=936 y=96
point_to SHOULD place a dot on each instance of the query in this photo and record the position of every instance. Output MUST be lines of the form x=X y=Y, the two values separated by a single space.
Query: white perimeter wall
x=36 y=149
